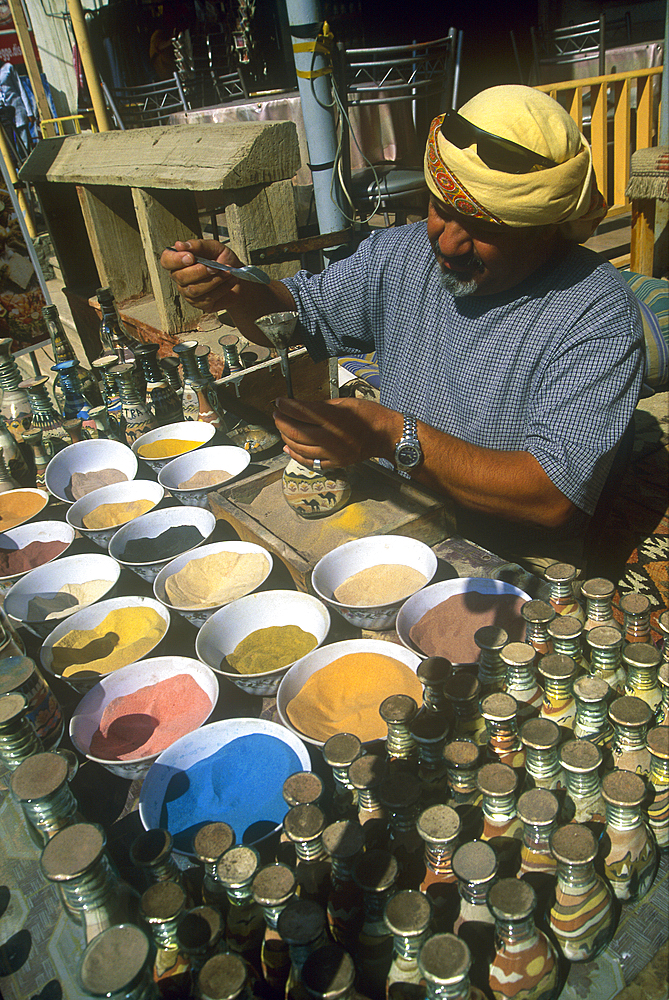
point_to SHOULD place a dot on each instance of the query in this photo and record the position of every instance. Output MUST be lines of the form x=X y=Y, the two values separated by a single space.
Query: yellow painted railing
x=616 y=91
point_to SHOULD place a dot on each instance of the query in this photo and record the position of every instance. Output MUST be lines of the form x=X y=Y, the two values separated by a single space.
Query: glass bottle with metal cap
x=200 y=935
x=302 y=926
x=501 y=826
x=606 y=645
x=433 y=672
x=475 y=865
x=663 y=684
x=641 y=660
x=521 y=682
x=538 y=810
x=598 y=594
x=439 y=827
x=636 y=609
x=566 y=635
x=151 y=852
x=462 y=758
x=538 y=615
x=40 y=786
x=273 y=889
x=525 y=962
x=582 y=915
x=301 y=788
x=161 y=908
x=344 y=841
x=558 y=672
x=18 y=739
x=500 y=713
x=583 y=802
x=209 y=843
x=19 y=673
x=445 y=961
x=366 y=774
x=225 y=977
x=463 y=690
x=657 y=742
x=407 y=916
x=591 y=695
x=102 y=974
x=339 y=752
x=304 y=826
x=561 y=577
x=430 y=732
x=329 y=974
x=375 y=873
x=245 y=924
x=631 y=718
x=631 y=860
x=492 y=669
x=397 y=711
x=541 y=739
x=185 y=351
x=399 y=793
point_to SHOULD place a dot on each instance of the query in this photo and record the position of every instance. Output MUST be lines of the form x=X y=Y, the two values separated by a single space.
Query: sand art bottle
x=399 y=793
x=632 y=855
x=641 y=661
x=33 y=438
x=657 y=742
x=538 y=810
x=439 y=827
x=273 y=889
x=40 y=786
x=500 y=712
x=521 y=682
x=304 y=826
x=14 y=403
x=525 y=963
x=162 y=906
x=541 y=739
x=558 y=672
x=54 y=435
x=244 y=925
x=209 y=843
x=170 y=369
x=375 y=873
x=566 y=635
x=7 y=482
x=492 y=669
x=151 y=852
x=476 y=865
x=397 y=711
x=185 y=351
x=226 y=977
x=18 y=738
x=101 y=975
x=538 y=615
x=20 y=673
x=663 y=629
x=606 y=656
x=663 y=684
x=462 y=759
x=636 y=609
x=366 y=774
x=339 y=752
x=301 y=788
x=598 y=593
x=583 y=802
x=329 y=974
x=13 y=455
x=463 y=690
x=582 y=916
x=302 y=926
x=501 y=826
x=344 y=841
x=200 y=935
x=163 y=402
x=407 y=916
x=445 y=961
x=137 y=417
x=111 y=396
x=631 y=718
x=591 y=695
x=560 y=577
x=433 y=672
x=430 y=732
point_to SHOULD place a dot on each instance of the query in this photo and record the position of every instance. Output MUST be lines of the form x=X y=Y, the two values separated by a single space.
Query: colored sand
x=123 y=636
x=345 y=695
x=383 y=584
x=239 y=784
x=15 y=508
x=269 y=649
x=108 y=515
x=165 y=447
x=149 y=720
x=204 y=478
x=68 y=599
x=214 y=579
x=448 y=629
x=170 y=543
x=82 y=483
x=13 y=561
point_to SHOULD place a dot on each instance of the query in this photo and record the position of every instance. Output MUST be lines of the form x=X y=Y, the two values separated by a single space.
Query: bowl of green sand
x=367 y=580
x=162 y=445
x=255 y=640
x=148 y=543
x=88 y=465
x=99 y=515
x=193 y=476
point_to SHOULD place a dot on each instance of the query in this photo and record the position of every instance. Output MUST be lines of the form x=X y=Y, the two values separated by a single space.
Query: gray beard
x=458 y=288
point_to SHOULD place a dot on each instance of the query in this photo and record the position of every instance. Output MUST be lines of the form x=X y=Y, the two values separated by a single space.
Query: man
x=519 y=351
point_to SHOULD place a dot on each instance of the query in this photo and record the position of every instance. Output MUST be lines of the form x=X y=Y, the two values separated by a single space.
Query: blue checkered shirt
x=552 y=366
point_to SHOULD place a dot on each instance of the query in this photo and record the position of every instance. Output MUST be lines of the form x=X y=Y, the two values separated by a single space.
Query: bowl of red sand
x=132 y=715
x=89 y=465
x=338 y=689
x=20 y=506
x=253 y=641
x=40 y=600
x=29 y=546
x=100 y=514
x=164 y=444
x=102 y=638
x=192 y=477
x=149 y=542
x=443 y=619
x=368 y=579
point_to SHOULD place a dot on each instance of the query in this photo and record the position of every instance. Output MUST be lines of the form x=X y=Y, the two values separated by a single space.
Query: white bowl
x=183 y=430
x=48 y=580
x=40 y=531
x=300 y=672
x=87 y=456
x=362 y=553
x=154 y=523
x=200 y=745
x=136 y=489
x=422 y=602
x=88 y=713
x=199 y=615
x=227 y=627
x=223 y=456
x=89 y=618
x=42 y=496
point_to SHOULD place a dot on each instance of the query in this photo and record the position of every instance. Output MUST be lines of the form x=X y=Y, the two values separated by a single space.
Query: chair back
x=146 y=104
x=207 y=69
x=569 y=46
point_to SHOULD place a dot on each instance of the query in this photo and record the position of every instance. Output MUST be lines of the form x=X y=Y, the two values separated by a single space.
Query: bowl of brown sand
x=199 y=582
x=368 y=579
x=29 y=546
x=131 y=715
x=255 y=640
x=100 y=514
x=442 y=619
x=89 y=465
x=192 y=477
x=162 y=445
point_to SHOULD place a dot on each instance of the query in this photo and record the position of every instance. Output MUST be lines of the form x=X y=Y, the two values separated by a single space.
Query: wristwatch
x=408 y=452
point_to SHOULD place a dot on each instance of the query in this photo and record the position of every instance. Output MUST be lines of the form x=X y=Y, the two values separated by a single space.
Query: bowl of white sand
x=88 y=465
x=367 y=580
x=99 y=515
x=192 y=477
x=162 y=445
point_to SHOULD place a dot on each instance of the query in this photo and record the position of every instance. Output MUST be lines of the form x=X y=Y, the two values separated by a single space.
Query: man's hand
x=203 y=287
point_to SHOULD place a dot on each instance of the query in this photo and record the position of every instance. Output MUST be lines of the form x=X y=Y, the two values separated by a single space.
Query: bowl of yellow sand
x=192 y=477
x=131 y=715
x=254 y=641
x=368 y=579
x=88 y=465
x=199 y=582
x=339 y=688
x=99 y=515
x=41 y=599
x=161 y=446
x=103 y=638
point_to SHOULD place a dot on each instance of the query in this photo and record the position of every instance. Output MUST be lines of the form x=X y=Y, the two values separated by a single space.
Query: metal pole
x=305 y=22
x=18 y=187
x=21 y=25
x=92 y=78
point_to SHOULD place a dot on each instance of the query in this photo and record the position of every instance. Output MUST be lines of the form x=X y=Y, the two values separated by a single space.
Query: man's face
x=481 y=258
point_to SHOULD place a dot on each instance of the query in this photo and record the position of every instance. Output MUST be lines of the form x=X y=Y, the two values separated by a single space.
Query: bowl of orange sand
x=19 y=506
x=164 y=444
x=130 y=716
x=339 y=688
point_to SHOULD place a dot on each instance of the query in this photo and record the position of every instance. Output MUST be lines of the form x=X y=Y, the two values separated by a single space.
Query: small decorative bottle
x=538 y=615
x=301 y=788
x=606 y=656
x=339 y=752
x=558 y=672
x=663 y=629
x=366 y=774
x=541 y=739
x=40 y=786
x=209 y=843
x=566 y=635
x=33 y=438
x=138 y=419
x=225 y=977
x=14 y=460
x=75 y=429
x=657 y=742
x=344 y=841
x=439 y=826
x=444 y=962
x=375 y=873
x=76 y=862
x=463 y=690
x=501 y=826
x=202 y=352
x=102 y=975
x=538 y=810
x=113 y=333
x=45 y=418
x=7 y=483
x=521 y=682
x=631 y=718
x=19 y=673
x=170 y=368
x=273 y=889
x=500 y=712
x=399 y=793
x=111 y=395
x=475 y=865
x=209 y=410
x=164 y=403
x=583 y=915
x=641 y=660
x=329 y=974
x=200 y=935
x=407 y=916
x=398 y=711
x=631 y=860
x=146 y=356
x=63 y=351
x=301 y=925
x=433 y=672
x=430 y=732
x=162 y=907
x=492 y=669
x=663 y=684
x=18 y=739
x=189 y=399
x=525 y=963
x=230 y=344
x=75 y=403
x=304 y=825
x=583 y=802
x=97 y=424
x=462 y=760
x=636 y=609
x=598 y=593
x=560 y=577
x=245 y=924
x=591 y=695
x=14 y=403
x=151 y=852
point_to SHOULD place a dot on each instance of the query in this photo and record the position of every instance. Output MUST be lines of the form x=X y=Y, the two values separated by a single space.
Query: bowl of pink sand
x=88 y=465
x=162 y=445
x=134 y=714
x=192 y=477
x=442 y=619
x=100 y=514
x=368 y=579
x=29 y=546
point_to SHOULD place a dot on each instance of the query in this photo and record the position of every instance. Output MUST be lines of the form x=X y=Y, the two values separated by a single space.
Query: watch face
x=408 y=455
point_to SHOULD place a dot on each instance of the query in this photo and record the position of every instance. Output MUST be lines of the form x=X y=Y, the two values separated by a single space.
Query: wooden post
x=29 y=59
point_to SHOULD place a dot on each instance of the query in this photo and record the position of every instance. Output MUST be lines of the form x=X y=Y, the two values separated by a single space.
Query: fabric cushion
x=364 y=368
x=653 y=297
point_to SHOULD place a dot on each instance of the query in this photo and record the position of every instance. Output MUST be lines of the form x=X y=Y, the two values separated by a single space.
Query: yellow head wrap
x=565 y=194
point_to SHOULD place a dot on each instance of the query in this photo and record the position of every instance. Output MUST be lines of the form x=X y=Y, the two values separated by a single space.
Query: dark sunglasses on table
x=496 y=152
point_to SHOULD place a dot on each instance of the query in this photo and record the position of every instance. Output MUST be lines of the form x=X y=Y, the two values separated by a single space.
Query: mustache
x=471 y=261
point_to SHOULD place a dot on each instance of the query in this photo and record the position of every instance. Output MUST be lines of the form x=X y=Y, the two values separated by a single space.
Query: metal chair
x=567 y=47
x=207 y=69
x=398 y=89
x=146 y=104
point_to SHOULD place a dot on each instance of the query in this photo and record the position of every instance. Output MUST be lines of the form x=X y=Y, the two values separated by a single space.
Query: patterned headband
x=449 y=188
